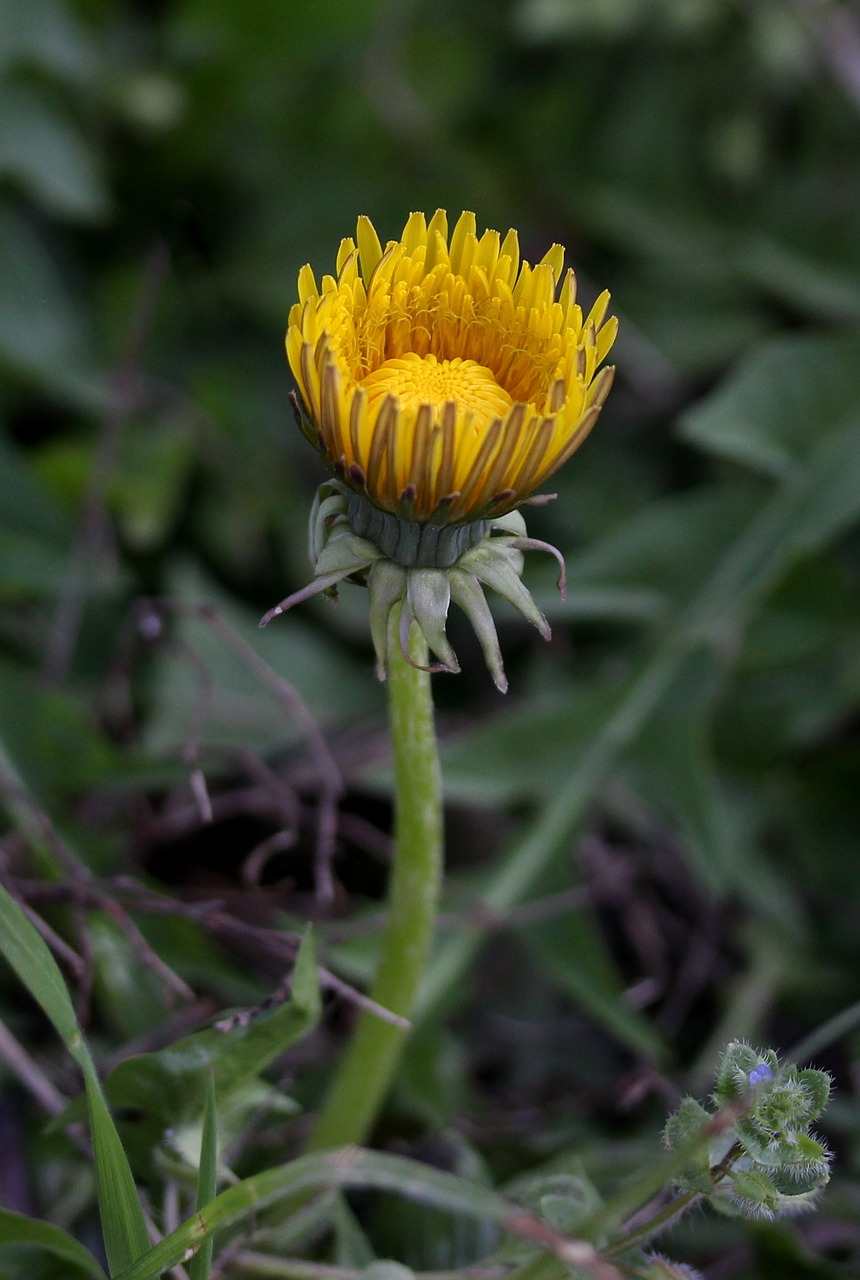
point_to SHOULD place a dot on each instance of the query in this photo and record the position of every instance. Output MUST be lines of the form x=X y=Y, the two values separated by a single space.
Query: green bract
x=423 y=567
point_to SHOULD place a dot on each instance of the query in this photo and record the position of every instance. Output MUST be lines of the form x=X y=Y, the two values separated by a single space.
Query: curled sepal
x=466 y=592
x=753 y=1193
x=498 y=564
x=535 y=544
x=329 y=504
x=512 y=522
x=319 y=586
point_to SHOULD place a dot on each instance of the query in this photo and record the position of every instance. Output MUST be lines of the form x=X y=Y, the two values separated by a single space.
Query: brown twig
x=148 y=613
x=84 y=889
x=38 y=1085
x=211 y=916
x=331 y=783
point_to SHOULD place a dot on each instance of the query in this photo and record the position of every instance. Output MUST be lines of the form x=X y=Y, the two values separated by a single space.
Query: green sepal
x=328 y=506
x=387 y=584
x=428 y=592
x=800 y=1179
x=466 y=592
x=345 y=551
x=753 y=1192
x=499 y=566
x=425 y=566
x=513 y=522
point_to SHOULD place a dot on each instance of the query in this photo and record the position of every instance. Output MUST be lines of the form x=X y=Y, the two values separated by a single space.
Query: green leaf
x=26 y=507
x=53 y=737
x=774 y=409
x=42 y=333
x=123 y=1224
x=200 y=1267
x=825 y=289
x=43 y=1237
x=36 y=967
x=574 y=956
x=125 y=1234
x=170 y=1082
x=46 y=33
x=348 y=1167
x=46 y=155
x=241 y=709
x=673 y=766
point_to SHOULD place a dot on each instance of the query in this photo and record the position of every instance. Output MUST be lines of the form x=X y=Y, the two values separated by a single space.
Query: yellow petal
x=466 y=226
x=415 y=232
x=369 y=248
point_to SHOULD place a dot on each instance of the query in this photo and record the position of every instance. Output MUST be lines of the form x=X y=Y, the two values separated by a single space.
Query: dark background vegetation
x=654 y=837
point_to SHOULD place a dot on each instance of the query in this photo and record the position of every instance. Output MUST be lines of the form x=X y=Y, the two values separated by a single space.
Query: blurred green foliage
x=676 y=776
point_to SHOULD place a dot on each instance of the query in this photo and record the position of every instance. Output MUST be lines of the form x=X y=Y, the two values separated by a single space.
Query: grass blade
x=354 y=1167
x=45 y=1238
x=200 y=1267
x=123 y=1224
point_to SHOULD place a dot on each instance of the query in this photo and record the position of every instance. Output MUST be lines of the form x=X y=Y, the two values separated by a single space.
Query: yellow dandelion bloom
x=445 y=379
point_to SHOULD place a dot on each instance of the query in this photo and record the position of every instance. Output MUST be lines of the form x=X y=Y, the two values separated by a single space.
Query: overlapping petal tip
x=443 y=375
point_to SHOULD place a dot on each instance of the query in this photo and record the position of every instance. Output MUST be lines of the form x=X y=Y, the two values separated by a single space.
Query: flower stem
x=365 y=1072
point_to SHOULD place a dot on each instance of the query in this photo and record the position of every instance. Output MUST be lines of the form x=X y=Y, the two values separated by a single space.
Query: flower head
x=444 y=379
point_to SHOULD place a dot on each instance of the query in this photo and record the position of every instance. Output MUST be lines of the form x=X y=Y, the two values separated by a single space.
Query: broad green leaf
x=43 y=334
x=44 y=1237
x=826 y=289
x=665 y=550
x=26 y=507
x=673 y=766
x=29 y=568
x=574 y=956
x=147 y=482
x=52 y=736
x=241 y=708
x=170 y=1083
x=46 y=33
x=44 y=153
x=777 y=407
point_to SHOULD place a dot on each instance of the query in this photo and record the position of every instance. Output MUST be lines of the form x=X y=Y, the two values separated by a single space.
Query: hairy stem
x=365 y=1073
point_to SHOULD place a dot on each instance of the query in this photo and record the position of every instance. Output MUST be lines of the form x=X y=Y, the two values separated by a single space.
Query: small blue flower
x=760 y=1073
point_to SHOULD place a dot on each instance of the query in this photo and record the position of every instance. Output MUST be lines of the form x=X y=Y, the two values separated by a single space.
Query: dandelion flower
x=444 y=381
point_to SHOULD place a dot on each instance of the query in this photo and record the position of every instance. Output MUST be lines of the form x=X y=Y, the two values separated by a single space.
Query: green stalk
x=366 y=1070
